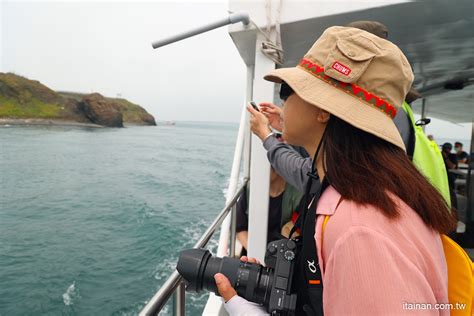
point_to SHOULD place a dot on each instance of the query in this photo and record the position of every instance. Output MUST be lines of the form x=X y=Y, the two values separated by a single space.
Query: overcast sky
x=105 y=47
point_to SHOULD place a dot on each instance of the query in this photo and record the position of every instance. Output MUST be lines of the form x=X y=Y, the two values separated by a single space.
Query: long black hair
x=364 y=168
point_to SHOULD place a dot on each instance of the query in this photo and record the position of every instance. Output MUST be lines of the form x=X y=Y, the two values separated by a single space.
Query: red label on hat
x=341 y=68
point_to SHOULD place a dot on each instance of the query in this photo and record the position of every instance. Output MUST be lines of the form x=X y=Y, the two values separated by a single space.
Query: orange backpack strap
x=326 y=219
x=460 y=278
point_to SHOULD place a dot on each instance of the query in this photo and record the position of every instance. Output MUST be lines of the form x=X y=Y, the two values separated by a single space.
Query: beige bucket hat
x=354 y=75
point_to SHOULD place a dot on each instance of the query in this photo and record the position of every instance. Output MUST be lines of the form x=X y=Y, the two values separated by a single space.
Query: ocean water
x=92 y=220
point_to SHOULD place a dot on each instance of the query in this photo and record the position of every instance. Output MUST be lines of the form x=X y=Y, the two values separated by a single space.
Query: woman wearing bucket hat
x=381 y=253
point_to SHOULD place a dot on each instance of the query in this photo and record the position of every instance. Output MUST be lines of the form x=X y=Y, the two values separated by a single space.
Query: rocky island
x=25 y=101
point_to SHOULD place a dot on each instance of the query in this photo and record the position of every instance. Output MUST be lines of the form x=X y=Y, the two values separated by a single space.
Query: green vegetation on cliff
x=32 y=108
x=24 y=98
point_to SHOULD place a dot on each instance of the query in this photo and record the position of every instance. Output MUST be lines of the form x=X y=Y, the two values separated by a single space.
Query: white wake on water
x=70 y=294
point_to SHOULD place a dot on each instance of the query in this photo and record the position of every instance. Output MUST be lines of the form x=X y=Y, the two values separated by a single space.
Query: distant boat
x=170 y=123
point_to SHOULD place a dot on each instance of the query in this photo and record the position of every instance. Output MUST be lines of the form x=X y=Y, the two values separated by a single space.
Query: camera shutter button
x=272 y=249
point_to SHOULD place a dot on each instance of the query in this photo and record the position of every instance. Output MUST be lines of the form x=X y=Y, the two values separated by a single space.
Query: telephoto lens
x=269 y=286
x=251 y=281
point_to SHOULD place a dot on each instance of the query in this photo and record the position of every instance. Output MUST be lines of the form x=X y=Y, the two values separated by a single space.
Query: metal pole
x=223 y=246
x=213 y=307
x=233 y=227
x=247 y=139
x=423 y=111
x=158 y=301
x=202 y=242
x=470 y=187
x=231 y=19
x=179 y=300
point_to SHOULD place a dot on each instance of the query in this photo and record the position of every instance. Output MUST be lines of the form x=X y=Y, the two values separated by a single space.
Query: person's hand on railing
x=273 y=114
x=258 y=123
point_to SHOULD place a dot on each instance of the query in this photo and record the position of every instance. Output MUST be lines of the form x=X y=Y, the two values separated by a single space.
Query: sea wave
x=70 y=295
x=106 y=212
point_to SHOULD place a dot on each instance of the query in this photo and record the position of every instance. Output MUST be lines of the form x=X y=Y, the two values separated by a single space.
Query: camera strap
x=312 y=270
x=310 y=261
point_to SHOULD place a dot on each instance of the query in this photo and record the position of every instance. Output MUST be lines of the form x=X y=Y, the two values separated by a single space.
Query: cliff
x=22 y=98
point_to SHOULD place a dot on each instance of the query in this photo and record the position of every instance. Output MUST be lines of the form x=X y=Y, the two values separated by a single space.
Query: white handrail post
x=222 y=249
x=259 y=165
x=247 y=140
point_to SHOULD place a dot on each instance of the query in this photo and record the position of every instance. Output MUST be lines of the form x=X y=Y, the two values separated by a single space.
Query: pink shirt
x=376 y=266
x=373 y=265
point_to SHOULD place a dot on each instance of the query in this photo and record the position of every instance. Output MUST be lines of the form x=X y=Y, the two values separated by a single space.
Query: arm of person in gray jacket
x=288 y=163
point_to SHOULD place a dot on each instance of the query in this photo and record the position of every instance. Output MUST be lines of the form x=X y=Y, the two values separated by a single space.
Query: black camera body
x=280 y=256
x=269 y=286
